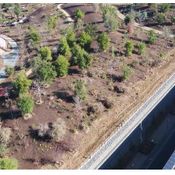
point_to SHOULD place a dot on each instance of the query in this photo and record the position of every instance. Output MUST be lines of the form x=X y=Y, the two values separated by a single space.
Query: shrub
x=59 y=130
x=64 y=48
x=165 y=7
x=22 y=83
x=80 y=89
x=61 y=66
x=9 y=71
x=129 y=48
x=104 y=41
x=126 y=72
x=34 y=35
x=8 y=163
x=26 y=104
x=85 y=40
x=160 y=18
x=46 y=53
x=141 y=48
x=45 y=71
x=128 y=19
x=5 y=134
x=79 y=14
x=152 y=37
x=91 y=29
x=80 y=57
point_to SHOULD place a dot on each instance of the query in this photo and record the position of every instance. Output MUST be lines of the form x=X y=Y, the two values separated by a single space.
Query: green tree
x=152 y=37
x=129 y=47
x=126 y=72
x=45 y=71
x=104 y=41
x=85 y=40
x=22 y=83
x=52 y=22
x=79 y=15
x=45 y=53
x=141 y=48
x=26 y=104
x=34 y=36
x=61 y=66
x=80 y=89
x=64 y=48
x=80 y=57
x=8 y=163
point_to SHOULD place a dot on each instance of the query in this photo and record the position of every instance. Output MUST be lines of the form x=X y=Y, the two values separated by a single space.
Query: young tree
x=52 y=22
x=160 y=18
x=85 y=40
x=104 y=41
x=34 y=36
x=80 y=89
x=61 y=66
x=45 y=53
x=80 y=57
x=45 y=71
x=17 y=10
x=141 y=48
x=22 y=83
x=8 y=163
x=126 y=72
x=70 y=36
x=91 y=29
x=152 y=37
x=79 y=15
x=129 y=48
x=26 y=104
x=64 y=48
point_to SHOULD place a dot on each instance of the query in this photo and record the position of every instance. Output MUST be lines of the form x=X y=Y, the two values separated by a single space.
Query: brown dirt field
x=84 y=132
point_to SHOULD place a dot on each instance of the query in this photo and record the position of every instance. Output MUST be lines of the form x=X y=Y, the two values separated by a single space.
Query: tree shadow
x=65 y=96
x=10 y=115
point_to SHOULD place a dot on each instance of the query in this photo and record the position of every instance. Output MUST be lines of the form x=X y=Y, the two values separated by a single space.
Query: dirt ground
x=85 y=132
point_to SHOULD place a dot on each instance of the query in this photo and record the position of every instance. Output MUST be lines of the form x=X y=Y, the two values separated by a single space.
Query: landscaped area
x=75 y=73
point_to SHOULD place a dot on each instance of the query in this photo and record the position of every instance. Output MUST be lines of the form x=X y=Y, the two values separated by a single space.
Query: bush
x=80 y=89
x=85 y=40
x=79 y=15
x=104 y=41
x=160 y=18
x=45 y=71
x=126 y=72
x=165 y=7
x=61 y=66
x=80 y=57
x=22 y=83
x=141 y=48
x=64 y=48
x=129 y=48
x=26 y=104
x=8 y=164
x=46 y=53
x=5 y=134
x=34 y=35
x=59 y=130
x=9 y=71
x=152 y=37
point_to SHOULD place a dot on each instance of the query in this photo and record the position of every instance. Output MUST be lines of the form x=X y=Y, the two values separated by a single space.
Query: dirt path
x=122 y=17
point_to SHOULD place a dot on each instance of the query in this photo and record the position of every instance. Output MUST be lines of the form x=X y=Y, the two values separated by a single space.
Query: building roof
x=171 y=162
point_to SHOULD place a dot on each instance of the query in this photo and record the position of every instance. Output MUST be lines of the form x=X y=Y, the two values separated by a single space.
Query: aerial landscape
x=87 y=86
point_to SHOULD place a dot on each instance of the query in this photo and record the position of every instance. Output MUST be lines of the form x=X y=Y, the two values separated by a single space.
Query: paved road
x=116 y=139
